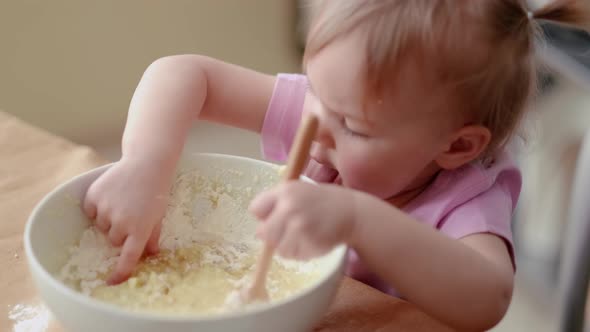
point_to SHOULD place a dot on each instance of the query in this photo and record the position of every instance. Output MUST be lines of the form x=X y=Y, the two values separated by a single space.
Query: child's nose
x=324 y=135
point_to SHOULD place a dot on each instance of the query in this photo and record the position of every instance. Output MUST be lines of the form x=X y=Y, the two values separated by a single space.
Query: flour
x=90 y=261
x=29 y=318
x=206 y=233
x=201 y=210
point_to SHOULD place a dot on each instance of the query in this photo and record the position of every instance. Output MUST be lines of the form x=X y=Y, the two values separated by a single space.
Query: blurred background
x=71 y=67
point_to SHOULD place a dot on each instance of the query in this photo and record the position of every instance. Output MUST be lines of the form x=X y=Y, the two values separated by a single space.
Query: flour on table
x=29 y=318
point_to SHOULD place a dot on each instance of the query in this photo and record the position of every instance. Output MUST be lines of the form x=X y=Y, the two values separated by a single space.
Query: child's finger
x=289 y=246
x=130 y=254
x=117 y=235
x=272 y=231
x=260 y=232
x=263 y=204
x=153 y=246
x=89 y=207
x=309 y=250
x=103 y=223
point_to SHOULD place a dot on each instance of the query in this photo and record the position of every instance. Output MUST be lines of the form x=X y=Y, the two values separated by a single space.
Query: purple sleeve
x=283 y=116
x=489 y=212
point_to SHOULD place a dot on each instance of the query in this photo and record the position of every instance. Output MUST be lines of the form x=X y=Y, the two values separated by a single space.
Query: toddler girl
x=416 y=101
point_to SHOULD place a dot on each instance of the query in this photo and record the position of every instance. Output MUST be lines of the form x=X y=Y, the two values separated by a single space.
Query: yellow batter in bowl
x=208 y=252
x=181 y=282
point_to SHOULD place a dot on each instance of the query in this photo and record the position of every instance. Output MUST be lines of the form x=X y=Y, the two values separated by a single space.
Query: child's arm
x=174 y=91
x=129 y=200
x=466 y=284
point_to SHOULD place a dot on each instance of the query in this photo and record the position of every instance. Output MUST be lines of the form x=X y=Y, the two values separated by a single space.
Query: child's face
x=390 y=146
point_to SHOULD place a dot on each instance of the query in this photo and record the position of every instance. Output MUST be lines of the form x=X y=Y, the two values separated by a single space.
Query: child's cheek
x=365 y=174
x=356 y=173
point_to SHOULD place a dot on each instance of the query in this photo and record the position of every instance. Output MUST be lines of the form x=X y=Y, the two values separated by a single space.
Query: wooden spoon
x=297 y=159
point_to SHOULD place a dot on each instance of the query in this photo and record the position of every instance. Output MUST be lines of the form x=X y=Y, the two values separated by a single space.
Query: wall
x=71 y=66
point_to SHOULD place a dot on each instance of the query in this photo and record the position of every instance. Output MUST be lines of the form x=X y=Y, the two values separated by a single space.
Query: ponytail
x=573 y=13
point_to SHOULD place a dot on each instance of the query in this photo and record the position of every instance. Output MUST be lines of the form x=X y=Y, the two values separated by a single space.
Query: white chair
x=575 y=266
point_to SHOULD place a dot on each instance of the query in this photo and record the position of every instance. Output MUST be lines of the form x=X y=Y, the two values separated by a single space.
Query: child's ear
x=465 y=146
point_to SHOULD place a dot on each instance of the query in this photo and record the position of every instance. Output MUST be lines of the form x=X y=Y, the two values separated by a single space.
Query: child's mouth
x=320 y=172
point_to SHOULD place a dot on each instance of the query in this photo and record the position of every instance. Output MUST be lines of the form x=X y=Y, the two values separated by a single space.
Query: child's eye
x=351 y=132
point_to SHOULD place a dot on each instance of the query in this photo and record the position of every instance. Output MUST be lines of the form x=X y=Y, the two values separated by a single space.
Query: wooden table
x=32 y=162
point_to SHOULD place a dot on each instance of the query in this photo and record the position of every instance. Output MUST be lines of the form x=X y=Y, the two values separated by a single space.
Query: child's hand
x=128 y=203
x=303 y=220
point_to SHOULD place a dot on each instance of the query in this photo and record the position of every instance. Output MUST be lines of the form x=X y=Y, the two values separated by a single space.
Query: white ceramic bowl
x=57 y=222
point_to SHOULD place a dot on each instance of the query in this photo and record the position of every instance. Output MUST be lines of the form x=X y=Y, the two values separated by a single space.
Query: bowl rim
x=112 y=309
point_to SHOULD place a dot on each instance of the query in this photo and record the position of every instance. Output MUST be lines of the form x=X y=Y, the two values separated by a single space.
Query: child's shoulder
x=476 y=198
x=475 y=178
x=484 y=185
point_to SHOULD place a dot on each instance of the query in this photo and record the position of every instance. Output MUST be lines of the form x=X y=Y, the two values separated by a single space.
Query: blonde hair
x=483 y=50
